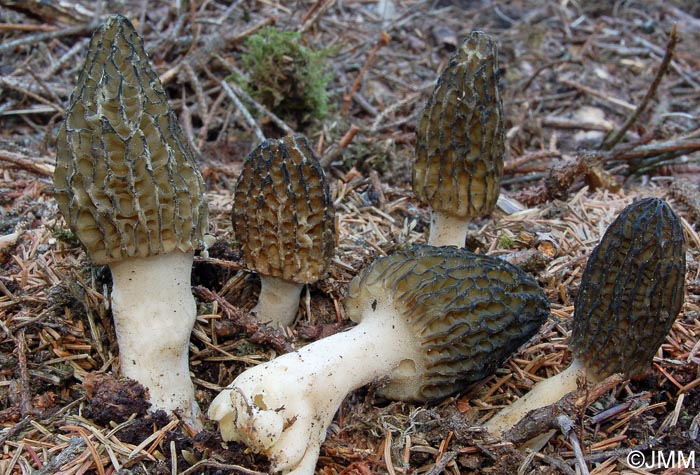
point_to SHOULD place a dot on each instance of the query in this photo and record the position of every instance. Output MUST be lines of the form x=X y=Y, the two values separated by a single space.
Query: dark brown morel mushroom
x=284 y=221
x=127 y=185
x=631 y=292
x=460 y=142
x=431 y=319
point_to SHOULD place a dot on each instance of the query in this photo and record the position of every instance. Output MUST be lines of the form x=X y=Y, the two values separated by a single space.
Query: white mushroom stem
x=447 y=230
x=278 y=301
x=154 y=313
x=543 y=394
x=282 y=408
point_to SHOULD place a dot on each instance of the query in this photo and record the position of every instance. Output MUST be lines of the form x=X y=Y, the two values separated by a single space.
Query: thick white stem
x=278 y=301
x=543 y=394
x=154 y=313
x=447 y=230
x=282 y=408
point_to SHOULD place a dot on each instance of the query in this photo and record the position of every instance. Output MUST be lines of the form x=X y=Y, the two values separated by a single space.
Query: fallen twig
x=595 y=93
x=444 y=461
x=238 y=320
x=44 y=37
x=244 y=111
x=314 y=13
x=673 y=146
x=11 y=85
x=23 y=369
x=566 y=425
x=220 y=466
x=651 y=92
x=75 y=446
x=384 y=39
x=214 y=43
x=545 y=418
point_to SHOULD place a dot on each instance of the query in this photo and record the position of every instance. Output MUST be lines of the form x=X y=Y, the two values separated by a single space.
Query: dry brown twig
x=244 y=322
x=7 y=83
x=45 y=37
x=613 y=140
x=220 y=466
x=314 y=13
x=199 y=57
x=543 y=419
x=384 y=40
x=566 y=426
x=40 y=167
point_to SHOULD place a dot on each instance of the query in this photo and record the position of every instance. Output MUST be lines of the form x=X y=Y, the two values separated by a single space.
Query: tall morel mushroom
x=431 y=319
x=128 y=186
x=460 y=142
x=631 y=292
x=284 y=221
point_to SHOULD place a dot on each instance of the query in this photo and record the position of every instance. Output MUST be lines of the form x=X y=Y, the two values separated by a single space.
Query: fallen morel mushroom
x=128 y=187
x=631 y=292
x=431 y=319
x=460 y=142
x=284 y=221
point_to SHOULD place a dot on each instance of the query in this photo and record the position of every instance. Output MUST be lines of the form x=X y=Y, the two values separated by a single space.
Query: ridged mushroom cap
x=469 y=312
x=460 y=137
x=631 y=291
x=283 y=215
x=125 y=179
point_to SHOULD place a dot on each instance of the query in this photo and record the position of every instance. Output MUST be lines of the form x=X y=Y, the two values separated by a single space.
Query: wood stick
x=347 y=99
x=651 y=92
x=27 y=163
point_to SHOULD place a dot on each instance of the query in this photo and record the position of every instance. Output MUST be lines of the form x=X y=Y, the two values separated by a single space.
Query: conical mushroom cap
x=283 y=215
x=126 y=180
x=460 y=137
x=631 y=290
x=468 y=311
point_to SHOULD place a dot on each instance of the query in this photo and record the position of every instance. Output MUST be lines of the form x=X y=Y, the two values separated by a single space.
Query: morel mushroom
x=460 y=142
x=284 y=221
x=631 y=292
x=128 y=186
x=432 y=319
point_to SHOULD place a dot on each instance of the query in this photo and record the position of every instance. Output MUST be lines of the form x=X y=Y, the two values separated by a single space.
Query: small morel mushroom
x=284 y=221
x=460 y=142
x=631 y=292
x=431 y=319
x=128 y=187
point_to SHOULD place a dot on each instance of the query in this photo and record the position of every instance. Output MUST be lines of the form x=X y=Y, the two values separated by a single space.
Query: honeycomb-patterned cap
x=125 y=179
x=460 y=137
x=283 y=215
x=631 y=291
x=469 y=312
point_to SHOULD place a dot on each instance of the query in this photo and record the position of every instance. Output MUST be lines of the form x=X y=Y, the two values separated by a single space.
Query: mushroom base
x=282 y=408
x=154 y=313
x=447 y=230
x=543 y=394
x=278 y=301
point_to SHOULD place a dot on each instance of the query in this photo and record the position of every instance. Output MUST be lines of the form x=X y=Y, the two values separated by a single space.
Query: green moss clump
x=285 y=76
x=505 y=242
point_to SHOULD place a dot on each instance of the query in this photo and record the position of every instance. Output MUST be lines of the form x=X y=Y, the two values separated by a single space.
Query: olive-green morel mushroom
x=284 y=221
x=128 y=187
x=460 y=142
x=431 y=319
x=631 y=292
